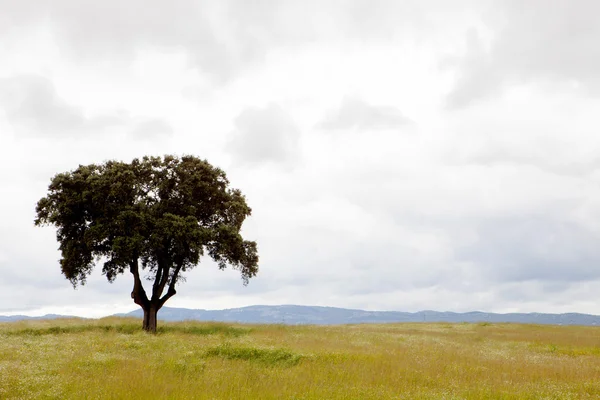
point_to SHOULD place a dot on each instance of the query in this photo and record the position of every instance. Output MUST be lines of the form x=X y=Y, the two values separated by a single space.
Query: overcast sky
x=398 y=155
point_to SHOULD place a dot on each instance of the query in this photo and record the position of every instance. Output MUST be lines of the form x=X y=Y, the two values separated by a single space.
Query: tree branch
x=138 y=294
x=171 y=292
x=157 y=279
x=162 y=276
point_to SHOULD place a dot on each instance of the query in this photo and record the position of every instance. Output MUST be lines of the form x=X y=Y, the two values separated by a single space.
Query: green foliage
x=131 y=328
x=167 y=210
x=271 y=357
x=75 y=329
x=202 y=330
x=164 y=213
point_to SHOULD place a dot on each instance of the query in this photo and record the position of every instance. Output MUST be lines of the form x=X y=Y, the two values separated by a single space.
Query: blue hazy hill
x=293 y=314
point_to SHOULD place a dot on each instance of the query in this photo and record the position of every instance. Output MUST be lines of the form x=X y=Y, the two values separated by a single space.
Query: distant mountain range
x=12 y=318
x=291 y=314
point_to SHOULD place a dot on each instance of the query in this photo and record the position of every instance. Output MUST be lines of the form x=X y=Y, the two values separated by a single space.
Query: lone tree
x=158 y=213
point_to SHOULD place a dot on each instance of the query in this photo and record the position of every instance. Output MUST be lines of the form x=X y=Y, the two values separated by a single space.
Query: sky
x=397 y=154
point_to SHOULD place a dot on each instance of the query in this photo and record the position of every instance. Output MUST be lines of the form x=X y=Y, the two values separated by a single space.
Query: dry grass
x=112 y=359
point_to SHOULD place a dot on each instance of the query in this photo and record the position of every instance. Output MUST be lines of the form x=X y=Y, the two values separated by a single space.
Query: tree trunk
x=155 y=303
x=150 y=314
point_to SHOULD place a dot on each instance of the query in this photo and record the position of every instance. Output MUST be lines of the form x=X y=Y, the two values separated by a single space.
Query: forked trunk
x=150 y=314
x=152 y=305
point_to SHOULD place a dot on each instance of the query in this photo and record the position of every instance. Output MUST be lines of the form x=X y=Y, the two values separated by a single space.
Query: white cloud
x=34 y=108
x=355 y=113
x=544 y=43
x=221 y=39
x=152 y=128
x=492 y=204
x=264 y=135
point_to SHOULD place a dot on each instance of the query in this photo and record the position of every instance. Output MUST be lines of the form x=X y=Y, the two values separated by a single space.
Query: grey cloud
x=152 y=128
x=575 y=167
x=400 y=19
x=518 y=228
x=534 y=42
x=219 y=37
x=350 y=251
x=533 y=290
x=33 y=106
x=355 y=113
x=545 y=152
x=27 y=295
x=544 y=134
x=264 y=135
x=534 y=247
x=477 y=77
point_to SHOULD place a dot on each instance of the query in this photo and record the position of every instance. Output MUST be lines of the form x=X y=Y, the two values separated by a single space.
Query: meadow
x=112 y=358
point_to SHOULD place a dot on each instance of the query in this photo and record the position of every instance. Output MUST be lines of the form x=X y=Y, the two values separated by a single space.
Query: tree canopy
x=160 y=214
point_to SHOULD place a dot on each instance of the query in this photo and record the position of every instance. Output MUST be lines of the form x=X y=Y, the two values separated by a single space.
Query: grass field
x=112 y=359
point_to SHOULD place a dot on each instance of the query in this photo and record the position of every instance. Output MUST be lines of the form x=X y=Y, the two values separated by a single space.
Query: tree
x=160 y=214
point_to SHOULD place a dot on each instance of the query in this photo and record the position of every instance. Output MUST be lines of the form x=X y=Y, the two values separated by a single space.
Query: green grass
x=112 y=358
x=129 y=328
x=272 y=357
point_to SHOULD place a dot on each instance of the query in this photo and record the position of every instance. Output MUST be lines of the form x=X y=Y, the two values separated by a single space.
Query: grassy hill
x=111 y=358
